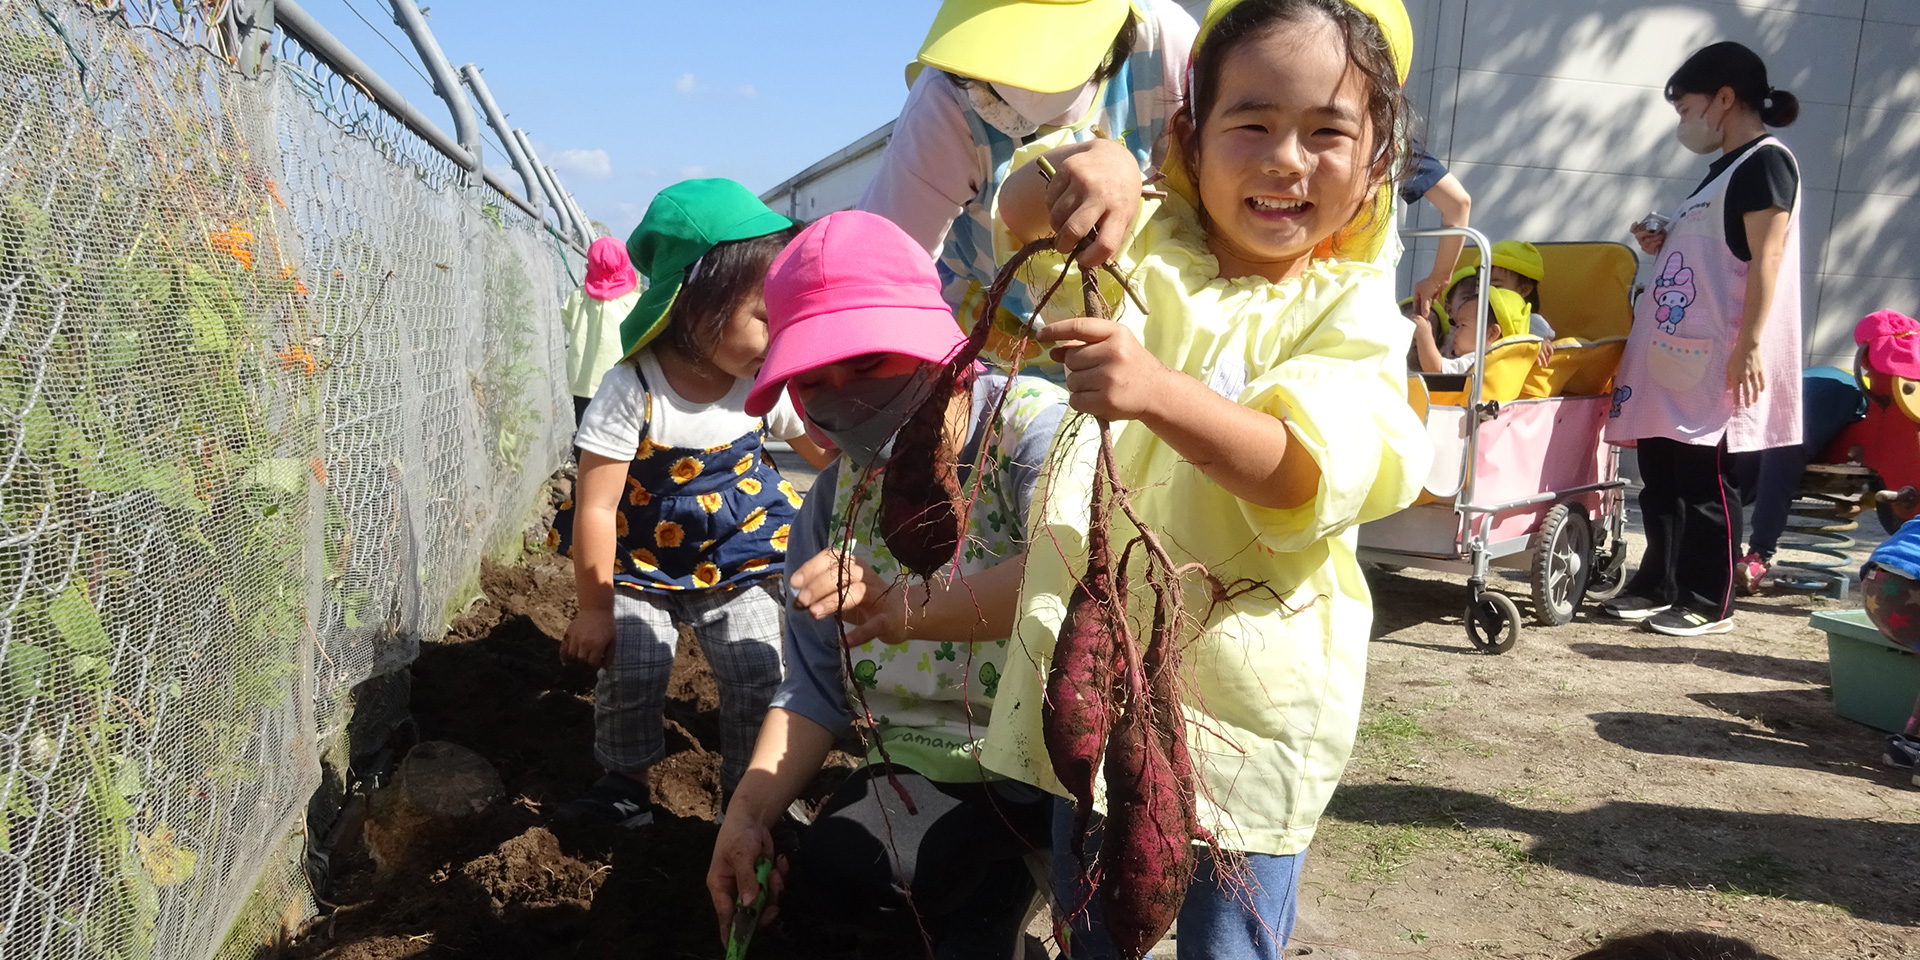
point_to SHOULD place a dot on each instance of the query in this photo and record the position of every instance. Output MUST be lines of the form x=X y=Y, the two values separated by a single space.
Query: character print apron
x=696 y=518
x=1673 y=377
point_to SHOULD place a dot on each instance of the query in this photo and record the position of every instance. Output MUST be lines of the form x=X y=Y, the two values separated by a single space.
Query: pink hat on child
x=610 y=274
x=852 y=283
x=1893 y=343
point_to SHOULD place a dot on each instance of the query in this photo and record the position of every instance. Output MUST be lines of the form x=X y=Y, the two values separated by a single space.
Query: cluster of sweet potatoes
x=1109 y=707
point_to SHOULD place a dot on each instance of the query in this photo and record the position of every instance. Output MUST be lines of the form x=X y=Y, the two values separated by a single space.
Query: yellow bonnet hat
x=1390 y=15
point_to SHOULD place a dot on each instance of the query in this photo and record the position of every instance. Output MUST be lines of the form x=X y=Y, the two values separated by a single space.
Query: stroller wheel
x=1493 y=623
x=1562 y=562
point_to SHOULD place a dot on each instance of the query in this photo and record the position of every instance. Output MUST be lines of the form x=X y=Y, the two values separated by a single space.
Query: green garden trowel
x=746 y=919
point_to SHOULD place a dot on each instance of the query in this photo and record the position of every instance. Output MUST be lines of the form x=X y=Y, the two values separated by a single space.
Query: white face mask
x=1698 y=134
x=1018 y=112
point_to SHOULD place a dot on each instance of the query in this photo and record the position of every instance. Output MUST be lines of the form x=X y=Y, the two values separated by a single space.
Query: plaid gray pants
x=738 y=630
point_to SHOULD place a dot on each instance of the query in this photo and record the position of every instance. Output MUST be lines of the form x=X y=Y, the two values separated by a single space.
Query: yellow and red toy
x=1887 y=442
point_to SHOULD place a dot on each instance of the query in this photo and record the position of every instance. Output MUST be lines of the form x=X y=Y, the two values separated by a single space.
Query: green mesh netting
x=272 y=379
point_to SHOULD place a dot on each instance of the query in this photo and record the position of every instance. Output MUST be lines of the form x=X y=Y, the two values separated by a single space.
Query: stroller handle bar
x=1480 y=242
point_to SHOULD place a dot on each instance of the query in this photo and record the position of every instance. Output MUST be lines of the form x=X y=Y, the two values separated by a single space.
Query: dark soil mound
x=509 y=886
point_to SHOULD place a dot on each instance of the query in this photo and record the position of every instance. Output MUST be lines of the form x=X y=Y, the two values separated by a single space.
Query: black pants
x=1691 y=508
x=960 y=856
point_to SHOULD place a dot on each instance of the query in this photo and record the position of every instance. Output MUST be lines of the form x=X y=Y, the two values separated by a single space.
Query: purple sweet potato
x=920 y=490
x=1075 y=716
x=921 y=503
x=1146 y=854
x=1161 y=665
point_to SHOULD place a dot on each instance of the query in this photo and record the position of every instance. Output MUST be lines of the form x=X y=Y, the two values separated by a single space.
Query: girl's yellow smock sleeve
x=1340 y=384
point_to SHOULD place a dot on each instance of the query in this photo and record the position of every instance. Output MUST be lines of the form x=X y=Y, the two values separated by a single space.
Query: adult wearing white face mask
x=996 y=75
x=1712 y=367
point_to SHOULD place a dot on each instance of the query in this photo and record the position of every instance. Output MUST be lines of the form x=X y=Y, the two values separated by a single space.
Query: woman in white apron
x=1712 y=367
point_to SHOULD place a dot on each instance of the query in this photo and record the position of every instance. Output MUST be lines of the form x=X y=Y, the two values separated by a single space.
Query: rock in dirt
x=438 y=787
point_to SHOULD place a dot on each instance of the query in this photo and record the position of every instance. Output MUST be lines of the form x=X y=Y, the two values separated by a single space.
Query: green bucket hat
x=683 y=222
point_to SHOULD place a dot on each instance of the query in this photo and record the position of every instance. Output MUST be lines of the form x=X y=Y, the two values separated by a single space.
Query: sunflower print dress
x=697 y=518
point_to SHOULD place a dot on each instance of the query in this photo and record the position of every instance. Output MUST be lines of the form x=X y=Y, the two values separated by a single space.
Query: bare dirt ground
x=1600 y=778
x=1594 y=780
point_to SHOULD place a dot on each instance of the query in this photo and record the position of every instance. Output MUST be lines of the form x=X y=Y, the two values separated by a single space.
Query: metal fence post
x=498 y=121
x=580 y=221
x=465 y=127
x=562 y=217
x=253 y=26
x=581 y=212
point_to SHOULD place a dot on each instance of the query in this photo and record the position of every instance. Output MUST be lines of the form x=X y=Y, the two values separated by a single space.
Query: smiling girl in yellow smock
x=1259 y=414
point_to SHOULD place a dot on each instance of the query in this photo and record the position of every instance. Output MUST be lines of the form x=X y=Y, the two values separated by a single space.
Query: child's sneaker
x=1687 y=623
x=613 y=799
x=1748 y=571
x=1902 y=752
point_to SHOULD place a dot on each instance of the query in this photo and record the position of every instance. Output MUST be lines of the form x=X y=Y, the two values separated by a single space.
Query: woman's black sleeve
x=1766 y=180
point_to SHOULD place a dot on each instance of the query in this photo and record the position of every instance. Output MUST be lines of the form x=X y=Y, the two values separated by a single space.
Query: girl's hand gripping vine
x=1110 y=375
x=1089 y=189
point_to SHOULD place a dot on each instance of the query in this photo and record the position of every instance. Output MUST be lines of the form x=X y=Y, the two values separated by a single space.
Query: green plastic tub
x=1875 y=680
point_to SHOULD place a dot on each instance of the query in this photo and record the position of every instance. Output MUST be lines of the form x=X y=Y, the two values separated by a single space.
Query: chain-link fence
x=272 y=380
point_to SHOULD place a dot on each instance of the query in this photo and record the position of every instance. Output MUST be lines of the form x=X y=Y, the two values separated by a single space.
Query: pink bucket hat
x=850 y=284
x=609 y=273
x=1892 y=341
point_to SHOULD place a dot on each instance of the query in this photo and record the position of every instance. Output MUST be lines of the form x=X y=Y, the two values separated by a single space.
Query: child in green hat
x=679 y=517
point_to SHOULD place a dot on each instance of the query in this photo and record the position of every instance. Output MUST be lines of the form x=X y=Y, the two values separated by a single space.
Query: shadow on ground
x=1797 y=857
x=1787 y=669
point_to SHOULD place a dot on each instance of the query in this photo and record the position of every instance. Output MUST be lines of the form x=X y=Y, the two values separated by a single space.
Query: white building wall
x=835 y=183
x=1551 y=114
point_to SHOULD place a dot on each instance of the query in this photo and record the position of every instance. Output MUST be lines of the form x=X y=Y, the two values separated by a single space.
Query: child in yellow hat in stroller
x=1507 y=316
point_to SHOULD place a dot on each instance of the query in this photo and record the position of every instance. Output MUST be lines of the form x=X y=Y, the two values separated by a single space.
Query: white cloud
x=685 y=84
x=586 y=164
x=747 y=90
x=693 y=171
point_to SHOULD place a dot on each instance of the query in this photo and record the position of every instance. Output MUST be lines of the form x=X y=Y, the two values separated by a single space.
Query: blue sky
x=626 y=98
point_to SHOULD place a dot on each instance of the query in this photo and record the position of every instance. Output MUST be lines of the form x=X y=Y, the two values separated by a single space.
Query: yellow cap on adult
x=1041 y=45
x=1390 y=15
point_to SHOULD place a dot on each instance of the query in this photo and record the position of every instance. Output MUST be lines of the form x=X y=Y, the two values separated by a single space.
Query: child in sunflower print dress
x=680 y=517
